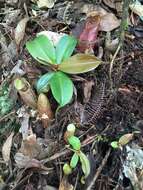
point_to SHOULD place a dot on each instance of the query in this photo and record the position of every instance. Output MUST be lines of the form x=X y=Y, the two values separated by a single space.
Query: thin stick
x=64 y=152
x=112 y=63
x=104 y=161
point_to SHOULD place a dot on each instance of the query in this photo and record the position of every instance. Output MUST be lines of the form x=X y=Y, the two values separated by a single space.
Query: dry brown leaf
x=20 y=30
x=30 y=147
x=137 y=8
x=65 y=185
x=24 y=129
x=108 y=20
x=7 y=148
x=88 y=8
x=24 y=161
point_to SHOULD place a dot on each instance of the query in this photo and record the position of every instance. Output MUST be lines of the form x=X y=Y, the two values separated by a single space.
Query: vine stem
x=123 y=27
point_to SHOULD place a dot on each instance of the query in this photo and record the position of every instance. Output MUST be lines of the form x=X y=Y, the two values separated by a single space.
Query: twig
x=112 y=63
x=124 y=21
x=104 y=161
x=64 y=152
x=6 y=116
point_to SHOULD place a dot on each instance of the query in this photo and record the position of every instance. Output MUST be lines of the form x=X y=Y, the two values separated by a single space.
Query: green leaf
x=67 y=169
x=62 y=88
x=43 y=82
x=41 y=48
x=79 y=63
x=115 y=144
x=74 y=160
x=65 y=48
x=85 y=164
x=74 y=142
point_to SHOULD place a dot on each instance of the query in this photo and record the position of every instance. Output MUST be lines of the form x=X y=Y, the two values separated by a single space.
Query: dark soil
x=117 y=111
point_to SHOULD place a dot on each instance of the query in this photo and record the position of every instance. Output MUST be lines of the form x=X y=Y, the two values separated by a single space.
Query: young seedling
x=78 y=155
x=123 y=140
x=44 y=110
x=59 y=62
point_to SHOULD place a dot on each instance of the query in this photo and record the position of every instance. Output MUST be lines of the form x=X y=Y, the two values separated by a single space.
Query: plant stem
x=124 y=21
x=123 y=27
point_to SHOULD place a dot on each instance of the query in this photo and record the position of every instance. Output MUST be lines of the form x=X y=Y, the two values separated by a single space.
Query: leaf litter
x=102 y=115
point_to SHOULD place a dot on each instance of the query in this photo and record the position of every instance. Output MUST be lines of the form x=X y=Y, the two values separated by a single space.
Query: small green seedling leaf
x=43 y=82
x=85 y=164
x=74 y=160
x=62 y=88
x=79 y=63
x=67 y=169
x=41 y=48
x=115 y=144
x=74 y=142
x=65 y=48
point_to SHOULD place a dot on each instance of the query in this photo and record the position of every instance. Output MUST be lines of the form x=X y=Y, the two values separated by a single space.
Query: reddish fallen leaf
x=108 y=21
x=88 y=36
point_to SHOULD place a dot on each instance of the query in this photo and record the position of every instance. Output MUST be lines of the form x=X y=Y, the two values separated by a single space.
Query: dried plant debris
x=133 y=166
x=93 y=109
x=66 y=12
x=6 y=103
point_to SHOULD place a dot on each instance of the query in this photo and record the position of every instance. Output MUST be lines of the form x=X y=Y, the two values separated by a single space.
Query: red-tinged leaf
x=88 y=36
x=79 y=63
